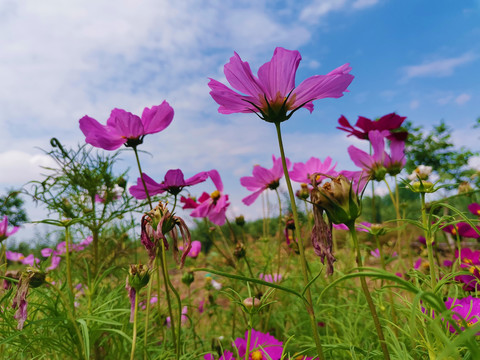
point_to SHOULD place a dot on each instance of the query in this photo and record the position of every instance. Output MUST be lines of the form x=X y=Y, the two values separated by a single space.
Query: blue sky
x=61 y=60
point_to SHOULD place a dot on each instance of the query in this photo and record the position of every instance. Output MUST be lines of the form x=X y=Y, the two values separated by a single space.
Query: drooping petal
x=278 y=75
x=217 y=181
x=196 y=179
x=99 y=135
x=250 y=199
x=378 y=145
x=157 y=118
x=230 y=101
x=316 y=87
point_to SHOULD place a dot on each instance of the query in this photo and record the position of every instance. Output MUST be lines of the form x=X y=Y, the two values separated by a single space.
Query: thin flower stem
x=134 y=337
x=279 y=231
x=161 y=269
x=397 y=212
x=141 y=177
x=249 y=338
x=69 y=271
x=371 y=305
x=309 y=304
x=179 y=301
x=429 y=241
x=147 y=317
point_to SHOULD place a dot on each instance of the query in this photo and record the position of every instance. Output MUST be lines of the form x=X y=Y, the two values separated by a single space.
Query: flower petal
x=157 y=118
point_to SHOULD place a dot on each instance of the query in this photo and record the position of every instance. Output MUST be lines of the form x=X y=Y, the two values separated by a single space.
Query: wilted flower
x=173 y=183
x=273 y=95
x=156 y=224
x=125 y=128
x=4 y=233
x=263 y=179
x=30 y=278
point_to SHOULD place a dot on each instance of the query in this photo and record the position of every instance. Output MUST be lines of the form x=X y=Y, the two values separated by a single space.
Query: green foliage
x=12 y=205
x=437 y=150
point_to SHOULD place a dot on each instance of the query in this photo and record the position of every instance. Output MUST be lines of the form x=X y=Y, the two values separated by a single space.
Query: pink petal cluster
x=183 y=319
x=29 y=260
x=62 y=249
x=126 y=128
x=364 y=126
x=474 y=208
x=212 y=206
x=195 y=249
x=4 y=233
x=302 y=172
x=378 y=164
x=271 y=278
x=464 y=311
x=173 y=183
x=463 y=229
x=267 y=345
x=273 y=93
x=263 y=179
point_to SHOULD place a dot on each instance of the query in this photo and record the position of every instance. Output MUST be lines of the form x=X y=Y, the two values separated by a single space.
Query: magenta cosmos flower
x=273 y=95
x=126 y=128
x=363 y=126
x=173 y=183
x=263 y=179
x=474 y=208
x=4 y=233
x=213 y=206
x=263 y=346
x=465 y=312
x=302 y=172
x=462 y=229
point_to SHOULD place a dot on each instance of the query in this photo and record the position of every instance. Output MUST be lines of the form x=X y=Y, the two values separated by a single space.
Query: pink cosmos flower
x=265 y=345
x=462 y=229
x=273 y=95
x=184 y=317
x=173 y=183
x=474 y=208
x=464 y=311
x=126 y=128
x=194 y=250
x=301 y=172
x=29 y=260
x=363 y=126
x=271 y=278
x=263 y=179
x=374 y=165
x=213 y=206
x=227 y=355
x=4 y=233
x=359 y=227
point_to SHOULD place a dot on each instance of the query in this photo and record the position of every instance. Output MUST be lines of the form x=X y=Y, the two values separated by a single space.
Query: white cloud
x=414 y=104
x=319 y=9
x=462 y=98
x=437 y=68
x=19 y=167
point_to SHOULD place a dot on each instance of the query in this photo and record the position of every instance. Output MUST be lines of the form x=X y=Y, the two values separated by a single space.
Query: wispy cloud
x=437 y=68
x=319 y=9
x=463 y=98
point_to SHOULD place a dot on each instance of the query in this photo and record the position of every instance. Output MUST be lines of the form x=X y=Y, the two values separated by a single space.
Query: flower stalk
x=308 y=294
x=134 y=337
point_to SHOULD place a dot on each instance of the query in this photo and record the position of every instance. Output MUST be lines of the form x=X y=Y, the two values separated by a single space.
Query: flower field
x=335 y=273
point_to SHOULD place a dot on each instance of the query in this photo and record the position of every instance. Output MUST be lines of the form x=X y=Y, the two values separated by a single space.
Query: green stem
x=134 y=337
x=279 y=231
x=67 y=255
x=309 y=303
x=147 y=317
x=249 y=338
x=429 y=241
x=161 y=269
x=371 y=305
x=179 y=302
x=141 y=177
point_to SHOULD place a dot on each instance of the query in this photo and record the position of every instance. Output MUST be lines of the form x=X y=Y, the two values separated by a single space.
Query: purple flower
x=464 y=311
x=375 y=253
x=263 y=344
x=271 y=278
x=173 y=183
x=302 y=172
x=474 y=208
x=359 y=227
x=364 y=126
x=126 y=128
x=195 y=249
x=462 y=229
x=183 y=319
x=19 y=257
x=213 y=206
x=263 y=179
x=4 y=233
x=273 y=95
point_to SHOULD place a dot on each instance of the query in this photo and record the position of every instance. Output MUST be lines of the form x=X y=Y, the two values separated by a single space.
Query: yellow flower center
x=454 y=231
x=256 y=355
x=473 y=268
x=215 y=195
x=467 y=261
x=478 y=212
x=426 y=265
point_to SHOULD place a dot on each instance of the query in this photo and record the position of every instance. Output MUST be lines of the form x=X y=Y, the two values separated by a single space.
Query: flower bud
x=239 y=251
x=240 y=220
x=304 y=192
x=423 y=187
x=464 y=187
x=138 y=276
x=188 y=278
x=36 y=276
x=377 y=230
x=338 y=199
x=251 y=302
